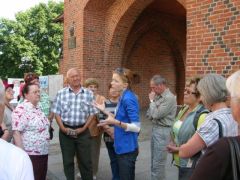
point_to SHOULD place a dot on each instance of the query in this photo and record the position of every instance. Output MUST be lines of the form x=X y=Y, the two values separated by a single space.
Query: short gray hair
x=233 y=84
x=158 y=79
x=213 y=89
x=2 y=92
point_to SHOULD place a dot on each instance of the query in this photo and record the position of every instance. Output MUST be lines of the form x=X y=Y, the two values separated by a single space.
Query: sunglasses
x=189 y=92
x=122 y=72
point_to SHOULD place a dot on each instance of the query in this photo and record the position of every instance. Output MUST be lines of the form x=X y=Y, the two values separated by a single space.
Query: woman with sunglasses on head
x=189 y=118
x=218 y=123
x=126 y=123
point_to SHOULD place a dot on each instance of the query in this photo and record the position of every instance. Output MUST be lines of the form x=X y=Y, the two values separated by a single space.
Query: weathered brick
x=139 y=35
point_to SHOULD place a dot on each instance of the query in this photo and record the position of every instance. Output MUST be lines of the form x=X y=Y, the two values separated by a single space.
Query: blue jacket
x=127 y=112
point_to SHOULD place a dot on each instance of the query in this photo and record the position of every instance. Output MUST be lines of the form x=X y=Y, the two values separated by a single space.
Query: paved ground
x=55 y=168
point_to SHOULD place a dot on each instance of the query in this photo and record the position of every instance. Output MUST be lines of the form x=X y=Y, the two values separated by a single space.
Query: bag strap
x=199 y=112
x=197 y=156
x=233 y=157
x=237 y=151
x=220 y=128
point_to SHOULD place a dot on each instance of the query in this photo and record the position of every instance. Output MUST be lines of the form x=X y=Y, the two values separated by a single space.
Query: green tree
x=34 y=35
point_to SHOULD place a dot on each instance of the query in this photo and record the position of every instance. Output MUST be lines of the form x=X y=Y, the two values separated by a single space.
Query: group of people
x=27 y=127
x=204 y=119
x=83 y=115
x=193 y=134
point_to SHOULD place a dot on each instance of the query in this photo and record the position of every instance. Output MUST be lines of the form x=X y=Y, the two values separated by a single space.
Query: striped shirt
x=109 y=107
x=74 y=109
x=209 y=131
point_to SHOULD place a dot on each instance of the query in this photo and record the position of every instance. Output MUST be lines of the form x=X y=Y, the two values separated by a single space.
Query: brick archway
x=165 y=27
x=102 y=28
x=106 y=27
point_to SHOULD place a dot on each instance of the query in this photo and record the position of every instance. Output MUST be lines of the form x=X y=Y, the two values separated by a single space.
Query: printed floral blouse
x=33 y=126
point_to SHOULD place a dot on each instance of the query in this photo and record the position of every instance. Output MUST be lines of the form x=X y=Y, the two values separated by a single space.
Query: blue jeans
x=113 y=161
x=185 y=173
x=126 y=164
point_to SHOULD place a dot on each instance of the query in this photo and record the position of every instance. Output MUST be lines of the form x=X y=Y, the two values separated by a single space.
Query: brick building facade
x=175 y=38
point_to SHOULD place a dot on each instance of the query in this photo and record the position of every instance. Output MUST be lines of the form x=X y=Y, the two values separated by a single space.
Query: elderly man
x=162 y=111
x=74 y=111
x=14 y=162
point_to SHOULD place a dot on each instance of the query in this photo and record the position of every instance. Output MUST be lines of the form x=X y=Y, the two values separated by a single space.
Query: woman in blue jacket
x=126 y=123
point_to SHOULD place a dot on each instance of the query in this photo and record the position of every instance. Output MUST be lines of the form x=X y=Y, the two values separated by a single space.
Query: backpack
x=199 y=112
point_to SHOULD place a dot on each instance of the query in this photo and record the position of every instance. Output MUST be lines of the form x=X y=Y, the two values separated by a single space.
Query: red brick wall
x=156 y=45
x=103 y=31
x=213 y=36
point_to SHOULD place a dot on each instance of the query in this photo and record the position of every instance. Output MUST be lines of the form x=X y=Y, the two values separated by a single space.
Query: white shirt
x=15 y=163
x=209 y=131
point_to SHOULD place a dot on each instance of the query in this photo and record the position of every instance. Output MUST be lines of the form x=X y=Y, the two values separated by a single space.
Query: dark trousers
x=184 y=173
x=80 y=146
x=40 y=166
x=113 y=161
x=126 y=164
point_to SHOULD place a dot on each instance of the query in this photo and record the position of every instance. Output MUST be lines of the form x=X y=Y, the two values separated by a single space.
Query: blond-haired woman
x=126 y=123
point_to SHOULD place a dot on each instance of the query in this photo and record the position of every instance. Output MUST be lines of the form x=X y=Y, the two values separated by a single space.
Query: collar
x=165 y=92
x=81 y=90
x=30 y=105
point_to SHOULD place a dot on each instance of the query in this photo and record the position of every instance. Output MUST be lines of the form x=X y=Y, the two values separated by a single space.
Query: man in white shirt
x=15 y=164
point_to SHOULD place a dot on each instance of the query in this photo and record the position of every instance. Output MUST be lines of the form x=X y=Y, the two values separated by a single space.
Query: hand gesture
x=151 y=95
x=172 y=148
x=99 y=106
x=109 y=121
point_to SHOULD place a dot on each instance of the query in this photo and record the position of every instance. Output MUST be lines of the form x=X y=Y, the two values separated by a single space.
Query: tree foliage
x=35 y=35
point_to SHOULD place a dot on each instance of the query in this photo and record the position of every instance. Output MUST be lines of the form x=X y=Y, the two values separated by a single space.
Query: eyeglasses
x=120 y=71
x=10 y=90
x=35 y=92
x=189 y=92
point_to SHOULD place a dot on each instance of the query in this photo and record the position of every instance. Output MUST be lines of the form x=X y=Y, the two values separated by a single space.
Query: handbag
x=235 y=157
x=93 y=128
x=51 y=131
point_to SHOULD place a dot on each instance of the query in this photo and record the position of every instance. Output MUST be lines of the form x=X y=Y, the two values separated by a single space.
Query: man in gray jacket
x=161 y=112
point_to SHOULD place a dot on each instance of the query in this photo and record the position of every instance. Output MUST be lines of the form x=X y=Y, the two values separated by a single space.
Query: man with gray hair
x=74 y=111
x=15 y=163
x=161 y=112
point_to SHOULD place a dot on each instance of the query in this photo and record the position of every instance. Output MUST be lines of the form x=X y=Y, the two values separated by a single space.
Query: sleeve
x=19 y=119
x=92 y=109
x=56 y=107
x=161 y=110
x=209 y=132
x=213 y=165
x=26 y=172
x=201 y=120
x=132 y=109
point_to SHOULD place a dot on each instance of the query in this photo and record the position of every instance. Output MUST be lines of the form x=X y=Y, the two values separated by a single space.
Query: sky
x=8 y=8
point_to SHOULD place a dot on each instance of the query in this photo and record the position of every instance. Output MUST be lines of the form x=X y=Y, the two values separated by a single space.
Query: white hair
x=233 y=84
x=2 y=92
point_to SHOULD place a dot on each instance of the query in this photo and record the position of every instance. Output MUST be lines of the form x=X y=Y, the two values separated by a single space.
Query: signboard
x=43 y=80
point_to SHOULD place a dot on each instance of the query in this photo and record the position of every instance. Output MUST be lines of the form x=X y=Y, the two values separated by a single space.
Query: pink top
x=33 y=125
